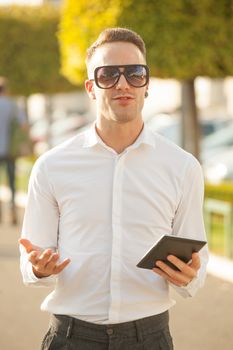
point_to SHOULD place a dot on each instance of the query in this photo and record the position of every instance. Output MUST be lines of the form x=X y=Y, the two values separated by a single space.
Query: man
x=8 y=111
x=97 y=203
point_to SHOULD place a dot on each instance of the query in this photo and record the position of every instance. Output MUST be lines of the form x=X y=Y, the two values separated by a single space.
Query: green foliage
x=223 y=191
x=81 y=23
x=29 y=50
x=184 y=38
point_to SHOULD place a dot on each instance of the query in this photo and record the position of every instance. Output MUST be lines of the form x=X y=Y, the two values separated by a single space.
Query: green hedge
x=29 y=47
x=223 y=191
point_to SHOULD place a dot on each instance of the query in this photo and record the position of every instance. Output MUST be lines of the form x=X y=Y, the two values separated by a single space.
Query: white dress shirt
x=104 y=210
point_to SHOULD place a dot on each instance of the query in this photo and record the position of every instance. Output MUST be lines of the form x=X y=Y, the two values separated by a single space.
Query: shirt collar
x=92 y=138
x=146 y=137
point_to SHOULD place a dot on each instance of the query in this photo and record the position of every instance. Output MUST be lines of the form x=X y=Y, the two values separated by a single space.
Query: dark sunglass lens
x=136 y=75
x=107 y=76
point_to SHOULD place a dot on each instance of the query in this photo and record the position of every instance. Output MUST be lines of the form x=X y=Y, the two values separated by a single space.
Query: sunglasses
x=137 y=75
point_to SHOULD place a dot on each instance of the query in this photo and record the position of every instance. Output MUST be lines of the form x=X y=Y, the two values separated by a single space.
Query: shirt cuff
x=33 y=280
x=189 y=290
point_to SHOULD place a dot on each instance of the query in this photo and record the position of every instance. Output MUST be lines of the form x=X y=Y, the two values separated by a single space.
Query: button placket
x=116 y=239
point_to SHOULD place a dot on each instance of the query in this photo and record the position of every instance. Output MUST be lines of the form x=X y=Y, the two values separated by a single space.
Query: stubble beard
x=123 y=119
x=122 y=116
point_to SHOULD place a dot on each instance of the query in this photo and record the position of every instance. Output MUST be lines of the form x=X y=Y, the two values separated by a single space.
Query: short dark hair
x=111 y=35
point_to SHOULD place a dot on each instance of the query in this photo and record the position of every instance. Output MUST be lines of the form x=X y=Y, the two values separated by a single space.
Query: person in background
x=9 y=111
x=99 y=201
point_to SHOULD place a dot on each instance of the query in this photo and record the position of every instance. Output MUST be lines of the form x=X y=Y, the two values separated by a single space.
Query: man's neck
x=119 y=136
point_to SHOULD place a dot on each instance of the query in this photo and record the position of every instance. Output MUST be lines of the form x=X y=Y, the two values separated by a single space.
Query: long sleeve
x=40 y=224
x=188 y=221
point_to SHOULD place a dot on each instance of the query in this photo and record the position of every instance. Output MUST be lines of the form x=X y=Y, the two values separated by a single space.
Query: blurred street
x=203 y=322
x=47 y=96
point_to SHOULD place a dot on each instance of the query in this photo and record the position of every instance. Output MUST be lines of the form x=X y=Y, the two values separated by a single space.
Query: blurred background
x=189 y=50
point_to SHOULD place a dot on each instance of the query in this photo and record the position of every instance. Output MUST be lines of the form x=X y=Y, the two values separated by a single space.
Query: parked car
x=219 y=167
x=45 y=136
x=62 y=129
x=38 y=134
x=166 y=125
x=217 y=142
x=170 y=126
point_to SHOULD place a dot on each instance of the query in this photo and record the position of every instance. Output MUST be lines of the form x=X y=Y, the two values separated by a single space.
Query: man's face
x=123 y=102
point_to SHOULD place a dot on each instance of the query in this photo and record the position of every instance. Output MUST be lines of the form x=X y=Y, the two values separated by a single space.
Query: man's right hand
x=44 y=262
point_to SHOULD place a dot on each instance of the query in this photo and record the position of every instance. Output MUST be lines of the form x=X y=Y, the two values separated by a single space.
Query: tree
x=81 y=22
x=30 y=56
x=184 y=39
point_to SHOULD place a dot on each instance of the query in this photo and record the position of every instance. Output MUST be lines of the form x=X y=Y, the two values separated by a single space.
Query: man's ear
x=89 y=85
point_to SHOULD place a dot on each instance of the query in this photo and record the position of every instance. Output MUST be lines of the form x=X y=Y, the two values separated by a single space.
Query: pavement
x=204 y=322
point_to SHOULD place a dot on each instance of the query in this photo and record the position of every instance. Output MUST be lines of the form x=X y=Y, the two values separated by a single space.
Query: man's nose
x=122 y=82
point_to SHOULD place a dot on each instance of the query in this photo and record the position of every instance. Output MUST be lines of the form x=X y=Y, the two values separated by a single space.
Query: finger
x=178 y=276
x=26 y=244
x=50 y=266
x=61 y=266
x=196 y=262
x=33 y=257
x=186 y=269
x=39 y=263
x=177 y=262
x=168 y=278
x=43 y=259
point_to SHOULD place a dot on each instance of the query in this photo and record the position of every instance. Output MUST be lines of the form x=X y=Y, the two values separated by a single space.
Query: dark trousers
x=10 y=169
x=68 y=333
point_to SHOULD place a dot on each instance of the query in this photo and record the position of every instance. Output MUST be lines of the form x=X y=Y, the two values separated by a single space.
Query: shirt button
x=109 y=331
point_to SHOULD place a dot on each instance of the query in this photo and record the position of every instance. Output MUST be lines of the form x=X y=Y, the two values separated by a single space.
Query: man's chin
x=122 y=119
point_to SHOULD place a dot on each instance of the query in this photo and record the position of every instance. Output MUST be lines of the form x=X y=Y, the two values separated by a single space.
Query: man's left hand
x=180 y=278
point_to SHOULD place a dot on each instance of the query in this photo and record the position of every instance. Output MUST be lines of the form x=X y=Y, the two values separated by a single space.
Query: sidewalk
x=204 y=322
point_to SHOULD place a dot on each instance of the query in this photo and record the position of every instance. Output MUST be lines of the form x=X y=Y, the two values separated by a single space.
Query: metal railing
x=224 y=209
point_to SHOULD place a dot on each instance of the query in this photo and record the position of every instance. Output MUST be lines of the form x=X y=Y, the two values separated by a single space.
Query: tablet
x=182 y=248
